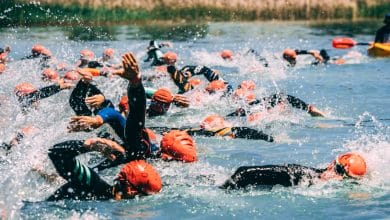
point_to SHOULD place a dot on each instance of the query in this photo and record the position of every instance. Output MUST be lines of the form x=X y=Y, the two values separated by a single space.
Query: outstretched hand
x=181 y=100
x=105 y=146
x=95 y=101
x=130 y=69
x=84 y=123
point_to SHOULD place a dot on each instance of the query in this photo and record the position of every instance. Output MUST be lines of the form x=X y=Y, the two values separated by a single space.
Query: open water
x=355 y=97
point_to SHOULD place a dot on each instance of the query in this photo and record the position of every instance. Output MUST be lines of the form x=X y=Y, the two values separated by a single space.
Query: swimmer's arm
x=249 y=133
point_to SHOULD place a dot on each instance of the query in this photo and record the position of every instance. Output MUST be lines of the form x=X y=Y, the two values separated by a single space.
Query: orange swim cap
x=46 y=52
x=2 y=67
x=124 y=104
x=289 y=54
x=108 y=52
x=353 y=164
x=227 y=54
x=170 y=56
x=87 y=54
x=163 y=95
x=24 y=88
x=139 y=177
x=61 y=66
x=241 y=93
x=37 y=48
x=255 y=116
x=178 y=145
x=49 y=74
x=248 y=84
x=71 y=75
x=213 y=122
x=216 y=85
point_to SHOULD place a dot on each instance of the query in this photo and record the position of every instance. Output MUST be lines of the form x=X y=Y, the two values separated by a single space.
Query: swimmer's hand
x=313 y=111
x=316 y=55
x=95 y=101
x=181 y=100
x=64 y=85
x=105 y=146
x=130 y=69
x=85 y=123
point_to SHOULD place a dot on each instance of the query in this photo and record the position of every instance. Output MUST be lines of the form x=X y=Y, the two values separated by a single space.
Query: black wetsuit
x=106 y=111
x=155 y=54
x=383 y=34
x=323 y=53
x=181 y=77
x=271 y=175
x=27 y=100
x=82 y=180
x=272 y=101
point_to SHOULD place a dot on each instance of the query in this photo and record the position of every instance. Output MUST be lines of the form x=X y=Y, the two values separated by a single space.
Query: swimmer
x=154 y=53
x=383 y=33
x=4 y=54
x=321 y=57
x=346 y=166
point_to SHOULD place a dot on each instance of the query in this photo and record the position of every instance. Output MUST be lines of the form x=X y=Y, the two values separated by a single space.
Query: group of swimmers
x=132 y=144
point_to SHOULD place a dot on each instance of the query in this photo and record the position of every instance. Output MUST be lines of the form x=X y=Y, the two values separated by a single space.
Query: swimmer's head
x=108 y=53
x=244 y=94
x=248 y=84
x=37 y=49
x=178 y=145
x=350 y=164
x=86 y=55
x=290 y=56
x=227 y=55
x=161 y=101
x=137 y=178
x=213 y=122
x=170 y=58
x=50 y=75
x=71 y=75
x=216 y=86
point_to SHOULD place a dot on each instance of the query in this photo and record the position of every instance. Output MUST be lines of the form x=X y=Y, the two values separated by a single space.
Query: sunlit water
x=355 y=97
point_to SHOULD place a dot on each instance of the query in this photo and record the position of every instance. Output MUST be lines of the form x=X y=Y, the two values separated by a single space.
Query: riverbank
x=61 y=12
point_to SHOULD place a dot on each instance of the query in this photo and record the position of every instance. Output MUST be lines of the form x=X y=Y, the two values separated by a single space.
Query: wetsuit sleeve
x=114 y=119
x=249 y=133
x=301 y=52
x=179 y=79
x=210 y=74
x=94 y=64
x=135 y=122
x=271 y=175
x=383 y=35
x=43 y=93
x=239 y=112
x=83 y=182
x=294 y=101
x=77 y=98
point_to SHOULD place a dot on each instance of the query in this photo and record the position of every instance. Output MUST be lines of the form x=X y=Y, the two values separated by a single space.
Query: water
x=354 y=96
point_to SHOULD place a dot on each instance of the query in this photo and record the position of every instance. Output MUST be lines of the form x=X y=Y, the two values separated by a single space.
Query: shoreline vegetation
x=98 y=12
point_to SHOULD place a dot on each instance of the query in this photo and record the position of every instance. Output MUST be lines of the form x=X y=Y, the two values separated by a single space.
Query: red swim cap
x=178 y=145
x=24 y=89
x=49 y=74
x=139 y=177
x=87 y=54
x=163 y=95
x=2 y=67
x=170 y=56
x=248 y=84
x=46 y=52
x=227 y=54
x=213 y=122
x=71 y=75
x=216 y=85
x=37 y=48
x=289 y=53
x=353 y=164
x=124 y=104
x=247 y=95
x=108 y=52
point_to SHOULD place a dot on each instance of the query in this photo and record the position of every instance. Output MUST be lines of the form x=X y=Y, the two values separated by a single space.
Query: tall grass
x=63 y=12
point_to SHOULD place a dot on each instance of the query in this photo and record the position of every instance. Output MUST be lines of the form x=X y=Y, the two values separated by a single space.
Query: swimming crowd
x=131 y=144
